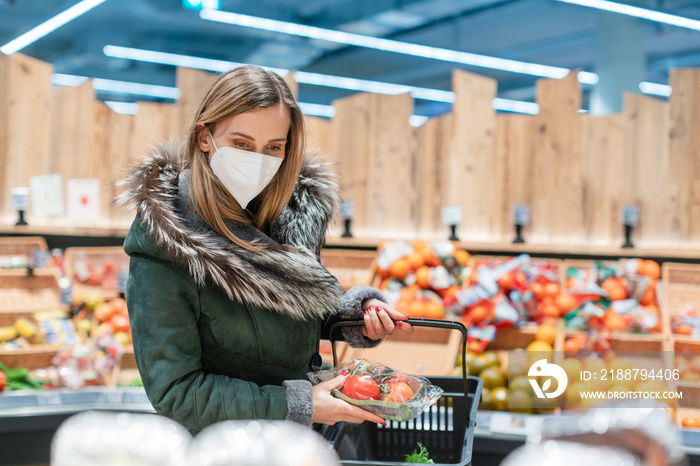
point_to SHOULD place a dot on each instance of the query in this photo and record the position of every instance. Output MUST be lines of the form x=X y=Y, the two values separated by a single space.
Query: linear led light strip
x=638 y=12
x=389 y=45
x=315 y=79
x=48 y=26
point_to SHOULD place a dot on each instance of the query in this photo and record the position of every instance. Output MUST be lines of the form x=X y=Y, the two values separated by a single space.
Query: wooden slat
x=349 y=146
x=154 y=124
x=602 y=168
x=684 y=147
x=644 y=178
x=25 y=116
x=515 y=149
x=557 y=204
x=73 y=124
x=431 y=148
x=113 y=135
x=472 y=175
x=193 y=85
x=391 y=171
x=317 y=136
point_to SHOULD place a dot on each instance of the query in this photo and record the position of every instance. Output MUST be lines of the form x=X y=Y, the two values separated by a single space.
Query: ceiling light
x=118 y=87
x=655 y=89
x=388 y=45
x=315 y=79
x=638 y=12
x=317 y=109
x=125 y=108
x=517 y=106
x=68 y=80
x=46 y=27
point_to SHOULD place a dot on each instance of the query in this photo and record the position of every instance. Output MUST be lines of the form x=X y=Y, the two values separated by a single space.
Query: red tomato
x=3 y=380
x=120 y=323
x=394 y=378
x=398 y=393
x=361 y=387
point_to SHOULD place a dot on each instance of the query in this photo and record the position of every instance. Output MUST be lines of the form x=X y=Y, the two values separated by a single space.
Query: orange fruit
x=566 y=303
x=552 y=289
x=449 y=293
x=613 y=320
x=616 y=290
x=683 y=329
x=423 y=277
x=546 y=333
x=433 y=310
x=480 y=311
x=403 y=306
x=383 y=273
x=417 y=309
x=507 y=282
x=415 y=260
x=572 y=346
x=690 y=422
x=649 y=296
x=409 y=293
x=537 y=289
x=400 y=269
x=550 y=310
x=649 y=268
x=462 y=257
x=570 y=283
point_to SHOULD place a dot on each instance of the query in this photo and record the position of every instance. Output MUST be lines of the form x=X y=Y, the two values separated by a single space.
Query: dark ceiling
x=536 y=31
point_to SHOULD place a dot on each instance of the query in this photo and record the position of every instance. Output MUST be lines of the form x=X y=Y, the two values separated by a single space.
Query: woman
x=227 y=296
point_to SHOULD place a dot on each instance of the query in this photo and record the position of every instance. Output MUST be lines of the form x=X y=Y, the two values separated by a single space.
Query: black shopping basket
x=446 y=430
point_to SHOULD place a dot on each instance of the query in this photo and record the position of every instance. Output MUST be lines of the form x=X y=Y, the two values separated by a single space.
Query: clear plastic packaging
x=381 y=390
x=260 y=443
x=116 y=439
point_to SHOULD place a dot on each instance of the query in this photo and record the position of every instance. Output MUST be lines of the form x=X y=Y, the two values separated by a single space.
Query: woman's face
x=262 y=130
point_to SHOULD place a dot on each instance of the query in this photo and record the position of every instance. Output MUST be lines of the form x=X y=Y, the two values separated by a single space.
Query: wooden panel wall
x=575 y=170
x=25 y=116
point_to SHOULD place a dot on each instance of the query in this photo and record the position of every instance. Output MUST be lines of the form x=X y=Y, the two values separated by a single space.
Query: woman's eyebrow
x=236 y=133
x=278 y=140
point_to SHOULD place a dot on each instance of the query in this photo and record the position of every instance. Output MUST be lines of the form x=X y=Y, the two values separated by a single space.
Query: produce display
x=391 y=394
x=615 y=295
x=49 y=327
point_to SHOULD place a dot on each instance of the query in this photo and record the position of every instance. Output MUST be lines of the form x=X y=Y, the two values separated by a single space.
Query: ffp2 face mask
x=245 y=174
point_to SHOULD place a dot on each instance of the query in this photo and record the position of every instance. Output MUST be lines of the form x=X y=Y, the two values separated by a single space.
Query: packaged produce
x=391 y=394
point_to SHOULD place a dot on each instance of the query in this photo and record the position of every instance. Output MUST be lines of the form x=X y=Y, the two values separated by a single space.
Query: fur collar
x=287 y=277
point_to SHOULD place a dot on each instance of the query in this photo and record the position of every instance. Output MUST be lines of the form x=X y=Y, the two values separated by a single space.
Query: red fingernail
x=366 y=311
x=371 y=308
x=380 y=309
x=345 y=372
x=383 y=423
x=399 y=323
x=406 y=316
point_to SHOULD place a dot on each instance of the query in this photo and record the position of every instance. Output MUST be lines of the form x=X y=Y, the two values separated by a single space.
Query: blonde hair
x=235 y=92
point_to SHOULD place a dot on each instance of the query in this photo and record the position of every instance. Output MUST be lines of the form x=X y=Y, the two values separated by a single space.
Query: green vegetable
x=419 y=456
x=19 y=379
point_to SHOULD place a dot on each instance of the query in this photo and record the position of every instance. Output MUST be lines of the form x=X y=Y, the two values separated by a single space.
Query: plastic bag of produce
x=391 y=394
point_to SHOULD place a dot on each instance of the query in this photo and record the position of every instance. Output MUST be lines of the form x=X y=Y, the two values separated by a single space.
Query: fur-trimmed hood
x=286 y=276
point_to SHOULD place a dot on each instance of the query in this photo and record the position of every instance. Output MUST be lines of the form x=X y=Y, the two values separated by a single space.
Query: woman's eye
x=242 y=145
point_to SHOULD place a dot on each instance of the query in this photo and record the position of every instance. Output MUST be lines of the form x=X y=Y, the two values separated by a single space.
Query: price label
x=630 y=215
x=515 y=424
x=521 y=214
x=48 y=398
x=451 y=214
x=347 y=209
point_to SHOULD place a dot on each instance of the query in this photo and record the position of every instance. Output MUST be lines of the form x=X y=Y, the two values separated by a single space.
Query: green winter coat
x=220 y=332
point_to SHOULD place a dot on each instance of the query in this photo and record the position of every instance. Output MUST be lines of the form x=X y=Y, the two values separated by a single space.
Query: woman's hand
x=329 y=410
x=379 y=320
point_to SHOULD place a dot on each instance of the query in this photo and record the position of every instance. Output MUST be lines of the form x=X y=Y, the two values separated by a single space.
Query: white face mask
x=245 y=174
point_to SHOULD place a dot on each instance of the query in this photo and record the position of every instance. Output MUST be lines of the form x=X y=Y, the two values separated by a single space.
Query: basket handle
x=416 y=322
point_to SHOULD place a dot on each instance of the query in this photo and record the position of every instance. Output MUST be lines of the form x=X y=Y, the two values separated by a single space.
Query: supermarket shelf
x=117 y=230
x=624 y=336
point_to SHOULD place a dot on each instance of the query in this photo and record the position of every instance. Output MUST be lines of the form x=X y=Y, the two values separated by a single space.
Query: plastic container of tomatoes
x=393 y=395
x=446 y=429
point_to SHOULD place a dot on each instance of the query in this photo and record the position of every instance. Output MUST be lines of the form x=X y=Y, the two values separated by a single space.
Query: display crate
x=20 y=246
x=681 y=291
x=22 y=296
x=94 y=271
x=426 y=352
x=352 y=267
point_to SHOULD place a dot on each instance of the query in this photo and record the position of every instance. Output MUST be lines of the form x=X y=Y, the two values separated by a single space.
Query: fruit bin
x=94 y=271
x=446 y=430
x=22 y=296
x=350 y=266
x=681 y=298
x=13 y=247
